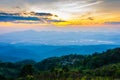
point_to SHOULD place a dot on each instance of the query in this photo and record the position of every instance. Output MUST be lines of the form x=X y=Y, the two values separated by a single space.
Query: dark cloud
x=90 y=18
x=16 y=18
x=35 y=17
x=114 y=23
x=8 y=14
x=17 y=7
x=32 y=13
x=43 y=14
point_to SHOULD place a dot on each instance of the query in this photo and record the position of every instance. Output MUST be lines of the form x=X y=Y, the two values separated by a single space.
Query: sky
x=59 y=15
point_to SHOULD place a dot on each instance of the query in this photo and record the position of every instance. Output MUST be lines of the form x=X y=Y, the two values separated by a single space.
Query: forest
x=97 y=66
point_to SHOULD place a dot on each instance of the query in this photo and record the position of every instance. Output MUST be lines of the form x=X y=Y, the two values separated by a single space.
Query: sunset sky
x=52 y=14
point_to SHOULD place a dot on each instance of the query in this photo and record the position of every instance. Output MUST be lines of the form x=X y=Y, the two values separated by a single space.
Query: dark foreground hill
x=98 y=66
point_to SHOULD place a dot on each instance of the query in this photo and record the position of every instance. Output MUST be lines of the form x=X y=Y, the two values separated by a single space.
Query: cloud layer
x=30 y=17
x=73 y=12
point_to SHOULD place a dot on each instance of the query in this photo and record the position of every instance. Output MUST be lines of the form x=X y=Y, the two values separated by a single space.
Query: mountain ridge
x=60 y=38
x=39 y=52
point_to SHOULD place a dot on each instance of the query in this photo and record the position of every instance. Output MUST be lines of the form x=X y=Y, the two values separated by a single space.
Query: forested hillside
x=98 y=66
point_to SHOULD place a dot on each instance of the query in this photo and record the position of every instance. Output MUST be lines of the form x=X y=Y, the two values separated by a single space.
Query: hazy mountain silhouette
x=60 y=38
x=39 y=45
x=17 y=52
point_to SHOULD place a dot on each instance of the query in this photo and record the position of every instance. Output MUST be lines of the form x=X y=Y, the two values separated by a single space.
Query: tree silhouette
x=27 y=70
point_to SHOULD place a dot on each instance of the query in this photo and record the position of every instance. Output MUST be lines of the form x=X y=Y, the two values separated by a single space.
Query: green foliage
x=75 y=61
x=109 y=70
x=98 y=66
x=27 y=70
x=2 y=77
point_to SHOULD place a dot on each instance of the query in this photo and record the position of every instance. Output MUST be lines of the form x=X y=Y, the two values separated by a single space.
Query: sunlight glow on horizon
x=62 y=13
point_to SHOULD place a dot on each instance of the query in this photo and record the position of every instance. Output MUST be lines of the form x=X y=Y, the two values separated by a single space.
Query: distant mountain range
x=35 y=45
x=60 y=38
x=18 y=52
